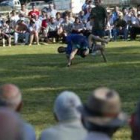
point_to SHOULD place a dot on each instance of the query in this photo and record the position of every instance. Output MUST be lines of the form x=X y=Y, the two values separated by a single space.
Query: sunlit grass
x=41 y=73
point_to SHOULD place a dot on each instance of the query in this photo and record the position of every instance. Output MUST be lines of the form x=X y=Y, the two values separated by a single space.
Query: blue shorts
x=100 y=33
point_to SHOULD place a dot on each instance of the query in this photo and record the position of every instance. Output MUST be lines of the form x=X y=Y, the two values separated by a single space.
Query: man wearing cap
x=10 y=97
x=102 y=115
x=66 y=113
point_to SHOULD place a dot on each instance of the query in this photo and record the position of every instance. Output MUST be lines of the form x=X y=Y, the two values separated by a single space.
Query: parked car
x=13 y=4
x=38 y=4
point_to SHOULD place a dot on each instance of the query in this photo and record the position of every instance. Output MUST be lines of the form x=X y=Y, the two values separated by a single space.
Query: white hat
x=65 y=106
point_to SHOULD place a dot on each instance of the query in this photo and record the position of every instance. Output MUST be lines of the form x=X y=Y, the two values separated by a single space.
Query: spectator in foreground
x=69 y=126
x=102 y=115
x=135 y=124
x=10 y=97
x=10 y=125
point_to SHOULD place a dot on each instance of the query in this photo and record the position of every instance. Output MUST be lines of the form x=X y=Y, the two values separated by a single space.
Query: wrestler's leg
x=72 y=55
x=93 y=38
x=101 y=49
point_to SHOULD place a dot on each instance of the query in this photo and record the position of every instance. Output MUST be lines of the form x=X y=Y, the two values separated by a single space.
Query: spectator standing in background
x=99 y=17
x=23 y=10
x=33 y=12
x=52 y=11
x=69 y=126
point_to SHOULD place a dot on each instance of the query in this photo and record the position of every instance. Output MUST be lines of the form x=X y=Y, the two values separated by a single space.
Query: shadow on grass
x=42 y=76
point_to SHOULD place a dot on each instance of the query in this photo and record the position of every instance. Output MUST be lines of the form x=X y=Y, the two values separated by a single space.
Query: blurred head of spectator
x=65 y=106
x=10 y=96
x=102 y=113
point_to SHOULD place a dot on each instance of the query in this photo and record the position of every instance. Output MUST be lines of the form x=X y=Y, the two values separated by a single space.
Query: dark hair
x=77 y=18
x=58 y=13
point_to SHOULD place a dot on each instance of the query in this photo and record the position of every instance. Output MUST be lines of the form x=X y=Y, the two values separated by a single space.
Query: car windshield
x=6 y=3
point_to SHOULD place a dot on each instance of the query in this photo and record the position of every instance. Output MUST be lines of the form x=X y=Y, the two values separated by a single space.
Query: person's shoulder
x=50 y=133
x=28 y=127
x=29 y=131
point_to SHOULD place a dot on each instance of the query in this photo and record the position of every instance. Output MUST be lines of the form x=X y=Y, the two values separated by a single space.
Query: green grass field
x=41 y=73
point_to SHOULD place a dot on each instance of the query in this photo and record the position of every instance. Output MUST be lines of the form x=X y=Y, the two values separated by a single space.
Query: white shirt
x=72 y=130
x=88 y=26
x=135 y=20
x=15 y=18
x=52 y=13
x=38 y=24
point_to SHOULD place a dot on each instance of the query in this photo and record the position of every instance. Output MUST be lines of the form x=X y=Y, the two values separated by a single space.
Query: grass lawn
x=41 y=73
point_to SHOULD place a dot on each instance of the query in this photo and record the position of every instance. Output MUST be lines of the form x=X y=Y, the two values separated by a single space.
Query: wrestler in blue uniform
x=76 y=41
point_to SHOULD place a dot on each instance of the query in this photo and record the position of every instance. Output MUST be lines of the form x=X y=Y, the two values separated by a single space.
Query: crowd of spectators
x=49 y=25
x=98 y=119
